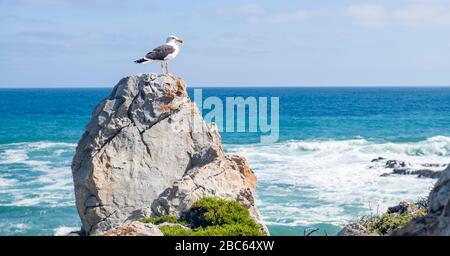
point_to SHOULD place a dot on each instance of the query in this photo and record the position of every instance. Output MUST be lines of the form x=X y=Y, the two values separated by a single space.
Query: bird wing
x=160 y=52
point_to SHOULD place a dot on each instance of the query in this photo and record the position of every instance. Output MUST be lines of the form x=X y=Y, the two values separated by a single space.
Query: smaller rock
x=404 y=207
x=430 y=165
x=394 y=164
x=378 y=159
x=389 y=164
x=76 y=233
x=421 y=173
x=136 y=228
x=356 y=229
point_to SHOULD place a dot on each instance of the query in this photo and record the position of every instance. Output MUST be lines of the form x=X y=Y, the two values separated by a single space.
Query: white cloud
x=256 y=13
x=298 y=15
x=376 y=15
x=422 y=15
x=68 y=2
x=371 y=15
x=250 y=9
x=245 y=10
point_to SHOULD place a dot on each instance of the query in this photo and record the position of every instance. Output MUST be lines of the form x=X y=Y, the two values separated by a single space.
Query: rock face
x=147 y=145
x=437 y=221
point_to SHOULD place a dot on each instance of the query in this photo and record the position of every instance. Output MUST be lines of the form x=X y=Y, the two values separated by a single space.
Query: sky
x=76 y=43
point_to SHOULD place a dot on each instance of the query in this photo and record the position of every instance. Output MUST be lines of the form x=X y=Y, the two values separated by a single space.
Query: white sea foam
x=6 y=182
x=19 y=153
x=311 y=182
x=18 y=156
x=300 y=182
x=13 y=228
x=42 y=169
x=64 y=230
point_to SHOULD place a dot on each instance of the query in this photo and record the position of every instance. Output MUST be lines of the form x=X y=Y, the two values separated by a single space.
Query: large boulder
x=147 y=151
x=437 y=221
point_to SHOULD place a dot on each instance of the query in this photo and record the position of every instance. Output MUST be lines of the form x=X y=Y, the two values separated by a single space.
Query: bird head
x=174 y=39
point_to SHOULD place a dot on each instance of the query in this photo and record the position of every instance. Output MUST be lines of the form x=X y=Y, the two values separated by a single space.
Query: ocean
x=318 y=175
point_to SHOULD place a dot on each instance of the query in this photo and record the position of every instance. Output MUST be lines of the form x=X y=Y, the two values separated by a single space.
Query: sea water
x=318 y=175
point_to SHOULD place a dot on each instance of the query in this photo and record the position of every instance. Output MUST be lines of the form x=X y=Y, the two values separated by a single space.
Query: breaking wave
x=301 y=183
x=333 y=181
x=36 y=173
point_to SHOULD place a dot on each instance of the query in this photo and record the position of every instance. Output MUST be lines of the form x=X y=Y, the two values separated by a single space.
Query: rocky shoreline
x=427 y=217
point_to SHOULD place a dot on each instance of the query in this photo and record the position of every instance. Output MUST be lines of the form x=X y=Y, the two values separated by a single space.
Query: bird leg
x=167 y=68
x=162 y=67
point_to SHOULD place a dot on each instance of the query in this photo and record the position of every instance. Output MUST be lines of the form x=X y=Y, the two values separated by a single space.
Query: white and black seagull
x=163 y=53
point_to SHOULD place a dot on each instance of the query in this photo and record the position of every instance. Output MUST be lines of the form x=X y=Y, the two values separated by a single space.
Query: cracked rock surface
x=147 y=151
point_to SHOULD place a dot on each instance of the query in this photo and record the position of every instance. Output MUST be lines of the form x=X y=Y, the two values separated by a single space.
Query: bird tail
x=140 y=61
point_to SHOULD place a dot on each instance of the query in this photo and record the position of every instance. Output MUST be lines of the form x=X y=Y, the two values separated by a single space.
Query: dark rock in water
x=390 y=164
x=77 y=233
x=394 y=164
x=397 y=164
x=421 y=173
x=433 y=165
x=400 y=168
x=378 y=159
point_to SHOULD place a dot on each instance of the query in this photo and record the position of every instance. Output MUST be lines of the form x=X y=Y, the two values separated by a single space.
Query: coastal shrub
x=175 y=230
x=211 y=216
x=228 y=230
x=214 y=211
x=163 y=219
x=225 y=230
x=388 y=222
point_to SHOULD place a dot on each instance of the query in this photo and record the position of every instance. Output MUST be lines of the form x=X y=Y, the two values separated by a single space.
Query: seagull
x=163 y=53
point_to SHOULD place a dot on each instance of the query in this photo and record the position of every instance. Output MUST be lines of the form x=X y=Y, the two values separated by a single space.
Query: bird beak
x=180 y=41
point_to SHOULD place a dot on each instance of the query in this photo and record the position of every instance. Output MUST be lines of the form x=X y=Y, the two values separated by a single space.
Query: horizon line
x=243 y=86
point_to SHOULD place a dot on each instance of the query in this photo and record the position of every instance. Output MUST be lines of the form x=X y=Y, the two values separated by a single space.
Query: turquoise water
x=317 y=175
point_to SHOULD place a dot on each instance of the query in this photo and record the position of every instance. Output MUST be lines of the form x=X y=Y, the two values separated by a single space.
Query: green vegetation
x=175 y=231
x=229 y=230
x=163 y=219
x=388 y=222
x=211 y=216
x=213 y=211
